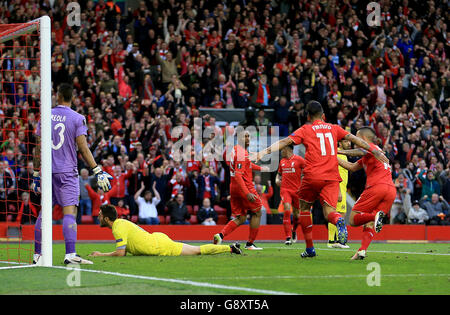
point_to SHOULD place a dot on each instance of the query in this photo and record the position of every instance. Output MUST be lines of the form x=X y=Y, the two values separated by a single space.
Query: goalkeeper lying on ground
x=135 y=240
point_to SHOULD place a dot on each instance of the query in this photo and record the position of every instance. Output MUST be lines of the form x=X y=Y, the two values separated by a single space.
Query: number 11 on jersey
x=322 y=137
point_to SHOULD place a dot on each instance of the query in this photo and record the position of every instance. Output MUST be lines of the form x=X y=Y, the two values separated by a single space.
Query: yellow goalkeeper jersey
x=342 y=206
x=135 y=240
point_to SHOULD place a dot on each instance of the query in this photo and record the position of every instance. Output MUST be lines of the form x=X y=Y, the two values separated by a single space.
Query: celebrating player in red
x=288 y=178
x=321 y=175
x=243 y=194
x=379 y=193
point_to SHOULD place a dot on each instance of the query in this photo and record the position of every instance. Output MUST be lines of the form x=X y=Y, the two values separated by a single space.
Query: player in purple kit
x=69 y=132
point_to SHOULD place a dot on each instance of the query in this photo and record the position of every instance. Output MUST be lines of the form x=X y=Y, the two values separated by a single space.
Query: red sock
x=368 y=234
x=305 y=221
x=333 y=217
x=230 y=227
x=287 y=223
x=363 y=218
x=296 y=222
x=252 y=234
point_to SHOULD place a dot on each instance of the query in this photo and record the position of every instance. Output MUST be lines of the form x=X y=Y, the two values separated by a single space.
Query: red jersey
x=377 y=172
x=320 y=140
x=291 y=172
x=241 y=175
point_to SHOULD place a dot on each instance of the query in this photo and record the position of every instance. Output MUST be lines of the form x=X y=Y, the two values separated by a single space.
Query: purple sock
x=38 y=235
x=70 y=233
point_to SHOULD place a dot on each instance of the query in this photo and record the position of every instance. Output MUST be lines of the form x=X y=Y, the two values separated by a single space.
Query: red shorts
x=324 y=190
x=240 y=205
x=290 y=197
x=376 y=198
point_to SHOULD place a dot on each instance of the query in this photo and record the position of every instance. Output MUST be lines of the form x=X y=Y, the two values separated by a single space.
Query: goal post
x=15 y=92
x=46 y=140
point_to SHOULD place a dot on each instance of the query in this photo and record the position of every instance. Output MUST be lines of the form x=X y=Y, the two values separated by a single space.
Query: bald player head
x=367 y=134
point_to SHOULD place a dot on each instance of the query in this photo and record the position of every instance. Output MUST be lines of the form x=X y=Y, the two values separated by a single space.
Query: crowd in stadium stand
x=139 y=72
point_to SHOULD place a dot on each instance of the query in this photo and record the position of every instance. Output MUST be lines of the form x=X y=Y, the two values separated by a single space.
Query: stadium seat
x=193 y=219
x=162 y=219
x=134 y=218
x=222 y=219
x=190 y=209
x=87 y=219
x=196 y=208
x=220 y=210
x=167 y=219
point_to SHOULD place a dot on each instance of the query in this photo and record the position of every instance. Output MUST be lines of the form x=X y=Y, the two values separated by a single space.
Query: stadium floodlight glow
x=16 y=32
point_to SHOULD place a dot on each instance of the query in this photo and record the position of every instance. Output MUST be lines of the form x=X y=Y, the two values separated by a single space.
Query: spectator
x=208 y=185
x=85 y=207
x=206 y=215
x=400 y=208
x=430 y=186
x=123 y=211
x=265 y=209
x=178 y=211
x=416 y=214
x=147 y=205
x=437 y=209
x=98 y=198
x=261 y=96
x=118 y=181
x=7 y=187
x=27 y=213
x=445 y=177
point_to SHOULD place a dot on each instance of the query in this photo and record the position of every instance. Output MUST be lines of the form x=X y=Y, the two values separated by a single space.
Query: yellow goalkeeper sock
x=211 y=249
x=332 y=230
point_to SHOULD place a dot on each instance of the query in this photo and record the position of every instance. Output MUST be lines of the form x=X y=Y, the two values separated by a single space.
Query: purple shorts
x=66 y=189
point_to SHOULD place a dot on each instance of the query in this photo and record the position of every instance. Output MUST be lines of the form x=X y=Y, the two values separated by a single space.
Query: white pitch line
x=328 y=276
x=16 y=267
x=185 y=282
x=370 y=251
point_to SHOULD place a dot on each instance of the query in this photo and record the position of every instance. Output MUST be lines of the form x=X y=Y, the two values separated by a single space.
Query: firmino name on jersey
x=321 y=126
x=58 y=118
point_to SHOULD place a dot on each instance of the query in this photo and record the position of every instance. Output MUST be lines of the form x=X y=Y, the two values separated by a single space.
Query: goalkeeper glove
x=102 y=178
x=36 y=184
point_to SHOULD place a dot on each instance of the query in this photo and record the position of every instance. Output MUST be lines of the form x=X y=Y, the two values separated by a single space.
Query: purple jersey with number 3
x=67 y=125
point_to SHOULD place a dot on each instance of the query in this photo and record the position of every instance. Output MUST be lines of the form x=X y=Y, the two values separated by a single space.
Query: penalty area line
x=184 y=282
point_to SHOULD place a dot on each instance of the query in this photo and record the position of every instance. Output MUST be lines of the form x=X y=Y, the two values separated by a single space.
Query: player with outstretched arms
x=69 y=132
x=243 y=195
x=321 y=175
x=289 y=178
x=378 y=195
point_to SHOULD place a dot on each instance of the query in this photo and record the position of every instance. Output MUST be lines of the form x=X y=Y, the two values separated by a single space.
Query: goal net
x=25 y=92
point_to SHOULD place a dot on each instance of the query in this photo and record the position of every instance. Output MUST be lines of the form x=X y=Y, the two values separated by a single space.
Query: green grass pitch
x=278 y=269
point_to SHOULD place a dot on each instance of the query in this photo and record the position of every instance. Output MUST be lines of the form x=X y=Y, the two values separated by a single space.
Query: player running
x=69 y=132
x=378 y=195
x=130 y=238
x=244 y=197
x=321 y=175
x=341 y=206
x=289 y=178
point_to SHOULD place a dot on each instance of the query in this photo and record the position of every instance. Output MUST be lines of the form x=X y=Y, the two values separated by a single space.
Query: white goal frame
x=44 y=28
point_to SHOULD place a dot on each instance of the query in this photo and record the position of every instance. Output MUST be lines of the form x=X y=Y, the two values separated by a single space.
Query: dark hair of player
x=109 y=211
x=368 y=132
x=314 y=109
x=65 y=90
